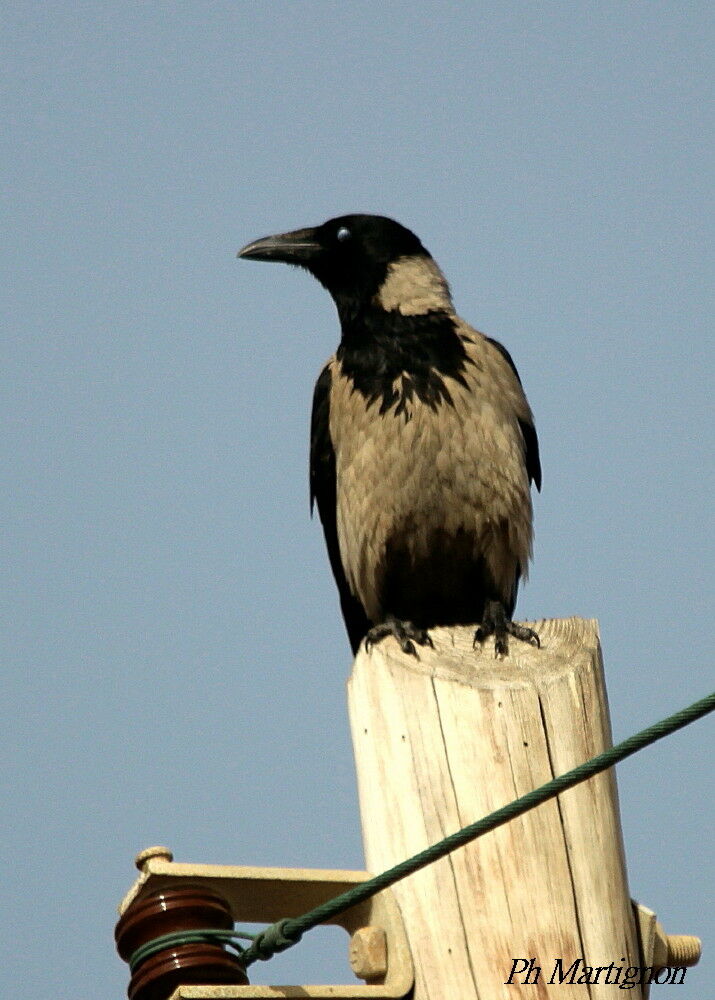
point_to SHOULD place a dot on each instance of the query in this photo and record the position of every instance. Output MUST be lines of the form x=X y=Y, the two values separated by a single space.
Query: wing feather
x=528 y=430
x=323 y=492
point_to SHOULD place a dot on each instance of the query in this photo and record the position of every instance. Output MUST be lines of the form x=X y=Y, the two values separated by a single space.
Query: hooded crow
x=422 y=447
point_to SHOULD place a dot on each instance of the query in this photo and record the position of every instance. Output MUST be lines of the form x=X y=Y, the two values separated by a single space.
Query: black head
x=349 y=255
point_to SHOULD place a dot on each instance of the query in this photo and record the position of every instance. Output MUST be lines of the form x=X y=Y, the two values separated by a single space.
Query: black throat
x=391 y=358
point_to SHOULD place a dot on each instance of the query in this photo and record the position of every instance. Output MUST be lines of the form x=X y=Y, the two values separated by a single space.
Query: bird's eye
x=343 y=234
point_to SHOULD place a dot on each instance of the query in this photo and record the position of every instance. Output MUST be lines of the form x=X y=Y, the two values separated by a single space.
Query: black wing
x=528 y=431
x=323 y=491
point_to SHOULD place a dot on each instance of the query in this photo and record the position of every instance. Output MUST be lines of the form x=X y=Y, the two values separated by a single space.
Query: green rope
x=176 y=938
x=288 y=932
x=285 y=933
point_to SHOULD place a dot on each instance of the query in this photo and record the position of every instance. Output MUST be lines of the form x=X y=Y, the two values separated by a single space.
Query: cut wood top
x=565 y=643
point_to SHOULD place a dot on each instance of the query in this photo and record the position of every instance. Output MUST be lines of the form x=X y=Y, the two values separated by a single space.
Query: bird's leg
x=406 y=634
x=496 y=623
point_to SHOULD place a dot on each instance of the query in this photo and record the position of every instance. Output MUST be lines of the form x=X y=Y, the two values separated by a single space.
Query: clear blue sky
x=174 y=659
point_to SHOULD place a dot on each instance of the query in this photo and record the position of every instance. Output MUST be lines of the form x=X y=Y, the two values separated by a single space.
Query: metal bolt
x=368 y=953
x=675 y=950
x=683 y=949
x=163 y=853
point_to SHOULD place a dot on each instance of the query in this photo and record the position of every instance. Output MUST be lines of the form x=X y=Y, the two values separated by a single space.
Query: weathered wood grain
x=443 y=740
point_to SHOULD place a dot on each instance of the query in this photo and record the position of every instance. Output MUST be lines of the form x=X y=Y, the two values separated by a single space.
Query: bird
x=423 y=446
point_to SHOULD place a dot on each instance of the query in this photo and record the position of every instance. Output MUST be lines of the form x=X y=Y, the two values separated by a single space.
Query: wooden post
x=444 y=740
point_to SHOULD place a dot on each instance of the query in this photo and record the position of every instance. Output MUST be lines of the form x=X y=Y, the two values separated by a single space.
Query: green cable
x=282 y=935
x=176 y=938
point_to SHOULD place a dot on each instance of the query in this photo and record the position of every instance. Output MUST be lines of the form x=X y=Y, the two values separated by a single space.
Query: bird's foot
x=496 y=623
x=406 y=634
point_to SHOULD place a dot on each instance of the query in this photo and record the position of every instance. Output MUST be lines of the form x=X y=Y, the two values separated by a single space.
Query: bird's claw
x=404 y=632
x=524 y=633
x=497 y=624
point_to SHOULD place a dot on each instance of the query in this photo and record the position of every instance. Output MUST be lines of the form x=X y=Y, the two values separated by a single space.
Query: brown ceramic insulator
x=166 y=911
x=208 y=964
